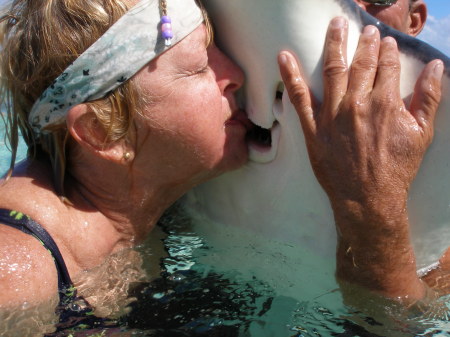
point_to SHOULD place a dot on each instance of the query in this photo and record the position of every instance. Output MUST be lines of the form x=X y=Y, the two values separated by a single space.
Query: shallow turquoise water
x=5 y=153
x=192 y=298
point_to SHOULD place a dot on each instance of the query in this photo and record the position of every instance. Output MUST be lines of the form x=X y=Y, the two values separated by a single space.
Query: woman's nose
x=229 y=75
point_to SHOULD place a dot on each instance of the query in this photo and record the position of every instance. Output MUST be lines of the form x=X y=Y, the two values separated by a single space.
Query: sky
x=437 y=28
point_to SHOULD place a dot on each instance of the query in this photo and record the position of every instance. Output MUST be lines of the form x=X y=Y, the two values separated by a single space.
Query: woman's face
x=191 y=124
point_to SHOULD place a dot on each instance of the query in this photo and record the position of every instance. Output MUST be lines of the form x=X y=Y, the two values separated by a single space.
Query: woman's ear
x=86 y=130
x=417 y=17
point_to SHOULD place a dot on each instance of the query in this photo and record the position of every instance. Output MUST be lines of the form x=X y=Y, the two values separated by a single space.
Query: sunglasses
x=381 y=2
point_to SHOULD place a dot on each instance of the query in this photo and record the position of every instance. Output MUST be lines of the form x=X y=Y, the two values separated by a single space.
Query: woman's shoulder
x=27 y=272
x=27 y=269
x=80 y=235
x=28 y=177
x=29 y=190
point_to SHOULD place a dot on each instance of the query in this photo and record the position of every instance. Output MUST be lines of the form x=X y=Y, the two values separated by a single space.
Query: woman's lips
x=240 y=117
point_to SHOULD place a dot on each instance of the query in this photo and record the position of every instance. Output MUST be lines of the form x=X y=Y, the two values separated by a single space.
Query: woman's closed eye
x=201 y=70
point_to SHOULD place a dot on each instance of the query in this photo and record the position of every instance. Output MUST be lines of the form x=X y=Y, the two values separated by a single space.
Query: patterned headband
x=134 y=40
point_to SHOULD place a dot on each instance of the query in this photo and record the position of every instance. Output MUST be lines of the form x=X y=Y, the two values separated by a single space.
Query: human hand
x=363 y=141
x=365 y=147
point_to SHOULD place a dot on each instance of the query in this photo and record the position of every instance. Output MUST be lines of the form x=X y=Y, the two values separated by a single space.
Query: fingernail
x=338 y=22
x=438 y=69
x=283 y=59
x=389 y=39
x=369 y=30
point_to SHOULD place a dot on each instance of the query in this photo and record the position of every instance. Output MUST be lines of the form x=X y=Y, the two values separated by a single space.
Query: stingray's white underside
x=271 y=218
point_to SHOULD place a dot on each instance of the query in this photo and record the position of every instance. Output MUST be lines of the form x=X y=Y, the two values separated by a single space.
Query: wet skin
x=193 y=121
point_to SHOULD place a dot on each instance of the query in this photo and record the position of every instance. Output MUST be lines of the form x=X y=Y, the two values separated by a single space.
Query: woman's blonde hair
x=39 y=39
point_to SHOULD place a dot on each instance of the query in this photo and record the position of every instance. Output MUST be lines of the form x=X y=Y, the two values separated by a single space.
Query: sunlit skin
x=193 y=126
x=382 y=145
x=409 y=17
x=405 y=15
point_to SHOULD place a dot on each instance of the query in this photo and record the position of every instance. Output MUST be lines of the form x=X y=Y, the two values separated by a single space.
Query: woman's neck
x=129 y=202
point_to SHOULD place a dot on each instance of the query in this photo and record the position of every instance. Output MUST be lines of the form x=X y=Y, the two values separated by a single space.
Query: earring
x=127 y=156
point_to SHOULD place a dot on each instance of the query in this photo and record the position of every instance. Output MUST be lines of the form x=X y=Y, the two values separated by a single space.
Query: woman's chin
x=237 y=135
x=235 y=156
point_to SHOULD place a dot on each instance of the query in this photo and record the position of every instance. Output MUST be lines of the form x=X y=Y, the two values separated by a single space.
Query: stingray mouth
x=263 y=143
x=261 y=137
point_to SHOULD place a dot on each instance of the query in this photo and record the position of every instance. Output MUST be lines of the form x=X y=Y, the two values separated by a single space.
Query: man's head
x=407 y=16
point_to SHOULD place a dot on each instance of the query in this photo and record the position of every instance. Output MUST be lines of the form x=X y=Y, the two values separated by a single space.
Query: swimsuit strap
x=27 y=225
x=73 y=311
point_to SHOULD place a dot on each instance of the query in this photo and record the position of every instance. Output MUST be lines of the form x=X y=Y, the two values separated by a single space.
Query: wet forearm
x=375 y=251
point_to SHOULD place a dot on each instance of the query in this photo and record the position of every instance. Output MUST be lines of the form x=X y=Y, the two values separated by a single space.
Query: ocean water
x=186 y=291
x=5 y=152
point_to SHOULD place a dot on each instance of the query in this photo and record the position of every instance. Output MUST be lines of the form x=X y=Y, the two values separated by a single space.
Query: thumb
x=298 y=90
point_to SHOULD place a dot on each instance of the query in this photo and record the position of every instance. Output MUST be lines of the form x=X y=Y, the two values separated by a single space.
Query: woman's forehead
x=189 y=51
x=194 y=42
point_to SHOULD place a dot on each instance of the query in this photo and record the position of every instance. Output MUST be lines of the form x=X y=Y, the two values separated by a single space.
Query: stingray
x=271 y=218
